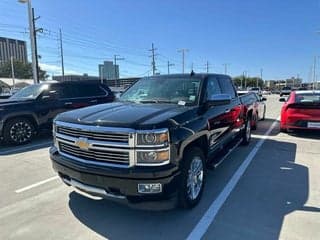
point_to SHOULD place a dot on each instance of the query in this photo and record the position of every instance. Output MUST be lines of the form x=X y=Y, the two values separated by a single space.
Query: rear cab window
x=227 y=86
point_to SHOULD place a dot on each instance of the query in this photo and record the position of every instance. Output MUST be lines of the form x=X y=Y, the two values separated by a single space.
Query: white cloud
x=56 y=70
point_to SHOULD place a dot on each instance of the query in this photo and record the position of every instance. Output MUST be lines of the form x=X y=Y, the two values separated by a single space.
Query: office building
x=84 y=77
x=12 y=48
x=108 y=71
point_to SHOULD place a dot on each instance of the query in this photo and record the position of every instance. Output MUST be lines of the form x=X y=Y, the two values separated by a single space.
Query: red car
x=301 y=111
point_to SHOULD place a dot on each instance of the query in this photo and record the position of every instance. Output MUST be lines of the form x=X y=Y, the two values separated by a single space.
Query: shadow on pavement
x=272 y=187
x=44 y=139
x=309 y=134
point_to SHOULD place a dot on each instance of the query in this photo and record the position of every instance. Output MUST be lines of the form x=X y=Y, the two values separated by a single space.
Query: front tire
x=18 y=131
x=192 y=178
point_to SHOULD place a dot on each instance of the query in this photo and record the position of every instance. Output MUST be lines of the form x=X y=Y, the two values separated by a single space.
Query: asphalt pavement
x=267 y=190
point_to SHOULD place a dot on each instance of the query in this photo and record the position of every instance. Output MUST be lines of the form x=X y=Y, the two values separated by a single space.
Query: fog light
x=149 y=188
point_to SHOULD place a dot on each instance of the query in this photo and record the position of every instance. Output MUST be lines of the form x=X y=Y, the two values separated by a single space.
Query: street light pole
x=32 y=40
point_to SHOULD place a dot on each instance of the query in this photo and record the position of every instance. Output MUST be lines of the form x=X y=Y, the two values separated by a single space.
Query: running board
x=218 y=160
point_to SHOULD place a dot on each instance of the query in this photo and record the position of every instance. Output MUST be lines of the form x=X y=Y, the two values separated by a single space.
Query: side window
x=227 y=86
x=213 y=87
x=63 y=91
x=89 y=90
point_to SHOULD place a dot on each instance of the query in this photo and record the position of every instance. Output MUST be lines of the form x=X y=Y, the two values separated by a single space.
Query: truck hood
x=131 y=115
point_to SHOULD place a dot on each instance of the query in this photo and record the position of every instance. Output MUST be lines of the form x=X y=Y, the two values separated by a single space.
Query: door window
x=89 y=90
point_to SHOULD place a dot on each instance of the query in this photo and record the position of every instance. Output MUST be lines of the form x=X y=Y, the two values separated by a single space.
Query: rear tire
x=264 y=114
x=18 y=131
x=246 y=134
x=255 y=122
x=193 y=178
x=284 y=130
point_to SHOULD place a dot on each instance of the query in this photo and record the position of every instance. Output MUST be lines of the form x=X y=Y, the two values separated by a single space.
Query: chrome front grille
x=96 y=144
x=106 y=156
x=99 y=136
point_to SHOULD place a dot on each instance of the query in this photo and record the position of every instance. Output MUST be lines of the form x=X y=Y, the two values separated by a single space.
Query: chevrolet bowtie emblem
x=83 y=143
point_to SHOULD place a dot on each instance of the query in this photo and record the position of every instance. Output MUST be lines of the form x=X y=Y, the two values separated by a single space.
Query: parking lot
x=267 y=190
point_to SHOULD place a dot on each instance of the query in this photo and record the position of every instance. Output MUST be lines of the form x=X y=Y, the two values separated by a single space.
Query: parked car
x=33 y=108
x=285 y=91
x=266 y=92
x=256 y=90
x=301 y=111
x=151 y=148
x=256 y=103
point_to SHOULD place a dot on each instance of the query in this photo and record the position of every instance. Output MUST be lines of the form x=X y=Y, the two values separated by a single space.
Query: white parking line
x=17 y=150
x=209 y=216
x=36 y=184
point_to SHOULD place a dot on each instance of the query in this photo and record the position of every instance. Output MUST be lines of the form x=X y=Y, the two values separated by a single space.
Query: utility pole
x=225 y=67
x=12 y=72
x=169 y=65
x=32 y=39
x=243 y=79
x=153 y=62
x=35 y=51
x=183 y=51
x=61 y=54
x=116 y=58
x=261 y=72
x=207 y=66
x=298 y=80
x=192 y=66
x=314 y=71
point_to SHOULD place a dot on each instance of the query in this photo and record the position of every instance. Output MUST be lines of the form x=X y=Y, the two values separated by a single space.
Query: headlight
x=156 y=138
x=157 y=157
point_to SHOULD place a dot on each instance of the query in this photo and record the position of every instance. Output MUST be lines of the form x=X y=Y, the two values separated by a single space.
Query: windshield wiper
x=156 y=101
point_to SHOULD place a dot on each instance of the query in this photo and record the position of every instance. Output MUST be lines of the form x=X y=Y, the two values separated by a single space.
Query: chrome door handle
x=94 y=101
x=68 y=103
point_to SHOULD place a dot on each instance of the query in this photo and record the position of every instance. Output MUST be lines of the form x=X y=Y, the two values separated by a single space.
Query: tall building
x=108 y=71
x=12 y=48
x=84 y=77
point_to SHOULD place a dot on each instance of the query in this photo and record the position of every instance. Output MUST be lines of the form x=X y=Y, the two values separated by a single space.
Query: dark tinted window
x=227 y=86
x=60 y=91
x=89 y=90
x=308 y=97
x=213 y=87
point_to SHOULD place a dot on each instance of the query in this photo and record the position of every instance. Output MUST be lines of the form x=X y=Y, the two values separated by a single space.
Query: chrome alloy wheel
x=195 y=178
x=20 y=132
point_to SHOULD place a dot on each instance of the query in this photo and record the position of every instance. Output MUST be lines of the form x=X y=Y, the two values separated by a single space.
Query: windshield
x=30 y=92
x=308 y=98
x=183 y=91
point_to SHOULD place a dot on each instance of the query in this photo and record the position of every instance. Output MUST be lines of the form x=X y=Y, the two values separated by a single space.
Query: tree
x=247 y=82
x=21 y=70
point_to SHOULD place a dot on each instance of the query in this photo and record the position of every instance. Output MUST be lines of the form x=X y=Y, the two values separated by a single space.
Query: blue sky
x=278 y=36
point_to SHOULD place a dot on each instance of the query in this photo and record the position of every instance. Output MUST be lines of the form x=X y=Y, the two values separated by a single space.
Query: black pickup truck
x=151 y=149
x=33 y=108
